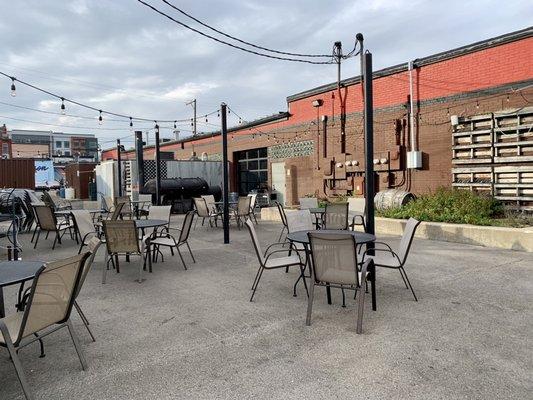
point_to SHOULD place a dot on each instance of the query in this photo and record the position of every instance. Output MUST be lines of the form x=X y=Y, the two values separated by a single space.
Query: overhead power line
x=243 y=41
x=231 y=44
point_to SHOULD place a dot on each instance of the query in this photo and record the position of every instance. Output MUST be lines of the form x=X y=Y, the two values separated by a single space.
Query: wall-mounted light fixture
x=317 y=102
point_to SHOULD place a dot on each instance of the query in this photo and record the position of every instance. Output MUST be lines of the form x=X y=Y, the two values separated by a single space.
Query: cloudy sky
x=119 y=55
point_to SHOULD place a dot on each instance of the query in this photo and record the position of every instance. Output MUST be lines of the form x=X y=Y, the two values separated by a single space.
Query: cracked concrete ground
x=194 y=334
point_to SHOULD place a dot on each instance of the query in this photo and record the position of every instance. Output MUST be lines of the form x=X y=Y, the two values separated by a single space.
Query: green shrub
x=449 y=205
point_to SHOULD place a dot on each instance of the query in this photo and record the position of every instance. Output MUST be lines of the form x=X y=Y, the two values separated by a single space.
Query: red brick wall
x=454 y=86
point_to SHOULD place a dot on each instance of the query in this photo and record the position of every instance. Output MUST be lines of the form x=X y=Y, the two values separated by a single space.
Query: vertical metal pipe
x=140 y=158
x=225 y=189
x=119 y=167
x=411 y=108
x=157 y=168
x=369 y=144
x=325 y=135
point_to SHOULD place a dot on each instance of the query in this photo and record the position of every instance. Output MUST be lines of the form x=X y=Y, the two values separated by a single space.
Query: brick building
x=5 y=143
x=316 y=147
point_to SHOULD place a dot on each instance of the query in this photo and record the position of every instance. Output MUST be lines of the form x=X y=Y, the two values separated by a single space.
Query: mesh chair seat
x=283 y=261
x=163 y=241
x=13 y=323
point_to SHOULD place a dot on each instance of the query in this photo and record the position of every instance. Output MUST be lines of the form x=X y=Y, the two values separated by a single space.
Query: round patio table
x=14 y=272
x=149 y=223
x=302 y=237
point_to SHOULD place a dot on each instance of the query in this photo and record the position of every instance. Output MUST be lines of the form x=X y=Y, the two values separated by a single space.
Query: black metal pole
x=140 y=159
x=225 y=190
x=119 y=168
x=369 y=144
x=157 y=168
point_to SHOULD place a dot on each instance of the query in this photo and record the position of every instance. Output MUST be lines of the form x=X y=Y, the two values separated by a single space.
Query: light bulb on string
x=62 y=106
x=240 y=121
x=131 y=122
x=175 y=124
x=507 y=99
x=100 y=119
x=13 y=88
x=477 y=105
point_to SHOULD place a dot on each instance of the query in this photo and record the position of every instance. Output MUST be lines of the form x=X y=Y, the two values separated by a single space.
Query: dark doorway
x=252 y=170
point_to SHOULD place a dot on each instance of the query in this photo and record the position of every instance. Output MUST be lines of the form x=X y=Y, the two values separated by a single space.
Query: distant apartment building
x=5 y=143
x=62 y=147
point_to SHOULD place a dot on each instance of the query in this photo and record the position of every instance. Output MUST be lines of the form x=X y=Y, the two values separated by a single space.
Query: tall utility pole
x=157 y=168
x=369 y=163
x=369 y=144
x=119 y=168
x=140 y=161
x=225 y=189
x=193 y=103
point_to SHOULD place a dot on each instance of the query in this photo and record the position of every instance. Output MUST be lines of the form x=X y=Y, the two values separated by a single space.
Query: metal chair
x=283 y=217
x=167 y=240
x=121 y=238
x=47 y=222
x=210 y=201
x=334 y=258
x=357 y=211
x=335 y=216
x=243 y=210
x=265 y=260
x=47 y=309
x=203 y=211
x=57 y=203
x=127 y=210
x=253 y=203
x=388 y=258
x=84 y=226
x=143 y=208
x=308 y=202
x=92 y=246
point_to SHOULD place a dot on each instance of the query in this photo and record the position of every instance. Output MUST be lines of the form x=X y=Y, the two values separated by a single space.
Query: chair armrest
x=384 y=250
x=275 y=244
x=281 y=251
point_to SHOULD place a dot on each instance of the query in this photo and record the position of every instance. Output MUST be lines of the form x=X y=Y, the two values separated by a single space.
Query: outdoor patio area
x=195 y=334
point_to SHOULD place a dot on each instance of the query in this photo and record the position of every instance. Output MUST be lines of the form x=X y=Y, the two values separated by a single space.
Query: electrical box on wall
x=414 y=159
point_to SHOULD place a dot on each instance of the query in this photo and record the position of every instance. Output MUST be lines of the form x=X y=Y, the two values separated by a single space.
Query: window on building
x=5 y=149
x=66 y=145
x=59 y=144
x=252 y=170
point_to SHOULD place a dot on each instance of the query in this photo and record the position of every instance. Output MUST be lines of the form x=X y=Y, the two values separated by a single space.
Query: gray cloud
x=119 y=55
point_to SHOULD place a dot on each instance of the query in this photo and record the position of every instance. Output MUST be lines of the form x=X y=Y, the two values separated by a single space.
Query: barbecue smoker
x=179 y=192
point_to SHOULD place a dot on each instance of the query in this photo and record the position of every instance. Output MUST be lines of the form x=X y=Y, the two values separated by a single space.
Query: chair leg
x=255 y=279
x=37 y=238
x=404 y=281
x=84 y=320
x=302 y=270
x=360 y=310
x=190 y=251
x=34 y=232
x=343 y=298
x=106 y=265
x=182 y=260
x=76 y=345
x=261 y=269
x=310 y=304
x=409 y=283
x=141 y=267
x=373 y=287
x=18 y=368
x=56 y=238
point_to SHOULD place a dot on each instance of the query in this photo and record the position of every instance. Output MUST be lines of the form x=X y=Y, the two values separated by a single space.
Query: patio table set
x=209 y=209
x=45 y=306
x=330 y=252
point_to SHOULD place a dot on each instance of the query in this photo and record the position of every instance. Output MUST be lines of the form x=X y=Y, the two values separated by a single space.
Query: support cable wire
x=243 y=41
x=231 y=44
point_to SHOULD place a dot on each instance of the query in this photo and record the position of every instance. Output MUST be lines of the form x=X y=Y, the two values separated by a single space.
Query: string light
x=477 y=104
x=131 y=122
x=13 y=88
x=100 y=120
x=62 y=106
x=175 y=124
